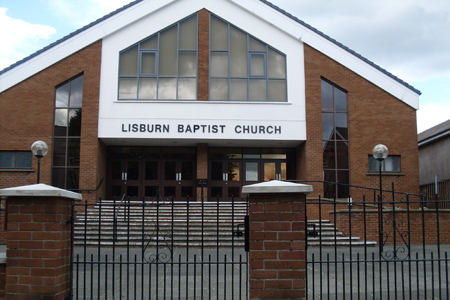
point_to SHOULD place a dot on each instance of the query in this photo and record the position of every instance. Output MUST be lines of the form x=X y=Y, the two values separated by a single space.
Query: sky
x=408 y=38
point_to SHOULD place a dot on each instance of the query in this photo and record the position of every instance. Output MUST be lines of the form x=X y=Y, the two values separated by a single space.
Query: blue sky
x=408 y=38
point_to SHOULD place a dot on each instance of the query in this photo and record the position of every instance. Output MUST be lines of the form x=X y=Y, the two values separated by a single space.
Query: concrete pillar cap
x=39 y=190
x=275 y=187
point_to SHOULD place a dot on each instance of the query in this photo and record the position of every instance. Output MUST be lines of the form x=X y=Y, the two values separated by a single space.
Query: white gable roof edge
x=262 y=8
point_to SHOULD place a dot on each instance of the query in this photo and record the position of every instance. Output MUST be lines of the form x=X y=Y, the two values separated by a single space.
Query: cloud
x=23 y=40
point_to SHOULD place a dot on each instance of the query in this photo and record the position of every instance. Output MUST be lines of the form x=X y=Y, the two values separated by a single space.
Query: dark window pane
x=342 y=155
x=76 y=92
x=150 y=191
x=233 y=171
x=187 y=170
x=327 y=126
x=73 y=152
x=329 y=186
x=216 y=191
x=74 y=122
x=151 y=170
x=341 y=126
x=59 y=152
x=340 y=98
x=117 y=191
x=329 y=159
x=374 y=164
x=169 y=191
x=343 y=178
x=72 y=179
x=62 y=96
x=132 y=191
x=187 y=191
x=216 y=170
x=61 y=122
x=116 y=170
x=58 y=178
x=170 y=170
x=24 y=160
x=233 y=191
x=133 y=170
x=7 y=159
x=327 y=96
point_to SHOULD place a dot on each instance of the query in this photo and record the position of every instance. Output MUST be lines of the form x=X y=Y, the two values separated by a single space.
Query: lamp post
x=39 y=149
x=380 y=152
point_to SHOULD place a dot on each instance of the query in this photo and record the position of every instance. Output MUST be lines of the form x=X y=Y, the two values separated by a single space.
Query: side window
x=390 y=164
x=15 y=160
x=243 y=68
x=163 y=66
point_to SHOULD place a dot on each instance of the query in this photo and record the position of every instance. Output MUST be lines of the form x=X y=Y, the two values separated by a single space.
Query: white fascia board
x=78 y=42
x=330 y=49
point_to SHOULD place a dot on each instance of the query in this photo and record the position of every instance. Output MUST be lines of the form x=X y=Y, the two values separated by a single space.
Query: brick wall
x=26 y=115
x=375 y=117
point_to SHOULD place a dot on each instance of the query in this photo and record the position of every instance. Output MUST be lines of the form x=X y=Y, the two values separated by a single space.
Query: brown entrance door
x=179 y=180
x=225 y=180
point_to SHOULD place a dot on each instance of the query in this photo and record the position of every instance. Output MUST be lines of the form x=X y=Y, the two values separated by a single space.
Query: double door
x=138 y=178
x=227 y=177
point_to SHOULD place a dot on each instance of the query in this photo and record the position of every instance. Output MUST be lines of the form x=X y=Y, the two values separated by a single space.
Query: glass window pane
x=74 y=122
x=283 y=171
x=72 y=179
x=327 y=126
x=168 y=52
x=187 y=170
x=170 y=170
x=73 y=152
x=129 y=62
x=59 y=152
x=340 y=100
x=187 y=191
x=76 y=92
x=342 y=155
x=216 y=191
x=234 y=191
x=187 y=88
x=258 y=65
x=327 y=96
x=238 y=53
x=59 y=178
x=169 y=191
x=116 y=170
x=62 y=96
x=374 y=165
x=343 y=178
x=269 y=171
x=167 y=88
x=251 y=171
x=329 y=158
x=238 y=89
x=216 y=170
x=147 y=88
x=128 y=88
x=150 y=191
x=24 y=160
x=133 y=170
x=277 y=65
x=188 y=33
x=219 y=64
x=150 y=44
x=329 y=188
x=187 y=64
x=219 y=35
x=392 y=164
x=233 y=171
x=277 y=90
x=218 y=89
x=61 y=122
x=256 y=45
x=341 y=126
x=148 y=63
x=258 y=89
x=151 y=170
x=7 y=159
x=132 y=191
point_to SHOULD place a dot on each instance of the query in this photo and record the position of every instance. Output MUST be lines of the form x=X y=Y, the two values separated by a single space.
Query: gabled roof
x=87 y=30
x=434 y=133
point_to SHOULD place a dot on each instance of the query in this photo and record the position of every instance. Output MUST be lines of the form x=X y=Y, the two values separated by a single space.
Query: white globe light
x=380 y=152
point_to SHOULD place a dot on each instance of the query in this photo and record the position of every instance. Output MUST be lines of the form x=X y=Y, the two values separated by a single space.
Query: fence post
x=38 y=242
x=277 y=213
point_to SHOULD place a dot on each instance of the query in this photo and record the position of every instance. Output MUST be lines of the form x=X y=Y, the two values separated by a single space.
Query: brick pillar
x=38 y=242
x=202 y=169
x=277 y=212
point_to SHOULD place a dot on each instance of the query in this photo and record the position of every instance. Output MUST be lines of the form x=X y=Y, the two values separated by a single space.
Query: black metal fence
x=377 y=247
x=155 y=249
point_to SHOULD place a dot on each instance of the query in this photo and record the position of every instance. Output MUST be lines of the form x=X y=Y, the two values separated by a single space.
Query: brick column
x=38 y=242
x=277 y=240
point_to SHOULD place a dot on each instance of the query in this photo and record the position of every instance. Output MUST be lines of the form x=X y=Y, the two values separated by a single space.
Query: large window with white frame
x=163 y=66
x=243 y=68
